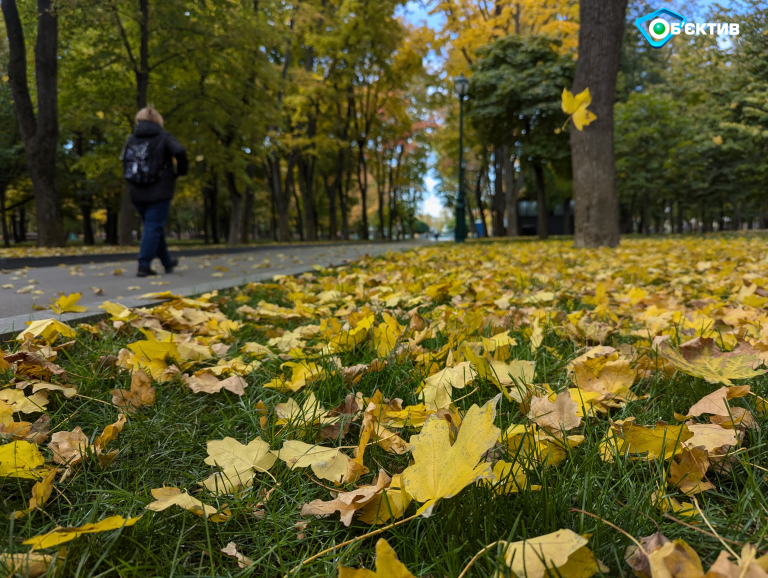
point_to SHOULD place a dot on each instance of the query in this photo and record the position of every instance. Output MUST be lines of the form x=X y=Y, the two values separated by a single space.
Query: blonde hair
x=149 y=114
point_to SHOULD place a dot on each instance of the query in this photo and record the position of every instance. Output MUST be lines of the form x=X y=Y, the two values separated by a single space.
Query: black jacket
x=162 y=190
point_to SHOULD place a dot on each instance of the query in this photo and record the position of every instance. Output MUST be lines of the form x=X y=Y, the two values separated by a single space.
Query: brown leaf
x=347 y=503
x=637 y=560
x=340 y=428
x=688 y=473
x=555 y=417
x=717 y=402
x=141 y=394
x=209 y=383
x=231 y=550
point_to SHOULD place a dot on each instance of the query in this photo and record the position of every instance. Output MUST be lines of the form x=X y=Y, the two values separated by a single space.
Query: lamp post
x=462 y=88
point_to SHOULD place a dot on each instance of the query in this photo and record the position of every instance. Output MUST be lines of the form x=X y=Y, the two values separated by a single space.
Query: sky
x=415 y=12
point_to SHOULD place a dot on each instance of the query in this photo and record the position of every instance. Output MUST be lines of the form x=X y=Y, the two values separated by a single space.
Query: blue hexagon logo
x=656 y=27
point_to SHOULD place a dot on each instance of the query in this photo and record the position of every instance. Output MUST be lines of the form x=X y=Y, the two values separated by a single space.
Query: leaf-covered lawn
x=503 y=408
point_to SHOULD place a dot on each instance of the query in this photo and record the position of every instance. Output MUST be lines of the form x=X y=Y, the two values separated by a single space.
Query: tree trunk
x=498 y=193
x=761 y=218
x=236 y=211
x=679 y=217
x=211 y=192
x=644 y=220
x=306 y=182
x=6 y=236
x=248 y=209
x=85 y=210
x=738 y=214
x=479 y=195
x=111 y=227
x=592 y=151
x=330 y=190
x=41 y=133
x=282 y=198
x=291 y=188
x=541 y=202
x=567 y=217
x=362 y=183
x=127 y=218
x=512 y=191
x=344 y=210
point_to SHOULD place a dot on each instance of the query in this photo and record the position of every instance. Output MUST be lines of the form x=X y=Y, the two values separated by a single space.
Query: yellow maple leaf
x=48 y=329
x=327 y=463
x=168 y=496
x=239 y=463
x=387 y=565
x=19 y=459
x=563 y=550
x=68 y=304
x=62 y=535
x=701 y=357
x=441 y=470
x=576 y=107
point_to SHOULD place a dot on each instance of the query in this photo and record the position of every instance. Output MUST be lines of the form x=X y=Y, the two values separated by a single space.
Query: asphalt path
x=117 y=280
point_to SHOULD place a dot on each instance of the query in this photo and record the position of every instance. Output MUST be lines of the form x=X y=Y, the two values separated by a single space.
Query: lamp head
x=462 y=86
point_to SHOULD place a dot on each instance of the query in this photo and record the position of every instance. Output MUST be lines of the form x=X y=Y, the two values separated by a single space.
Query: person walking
x=148 y=169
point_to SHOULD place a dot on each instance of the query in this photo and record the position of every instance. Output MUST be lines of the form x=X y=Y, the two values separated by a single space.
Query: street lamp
x=462 y=88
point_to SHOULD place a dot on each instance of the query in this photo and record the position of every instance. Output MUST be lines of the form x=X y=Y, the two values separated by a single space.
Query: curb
x=11 y=326
x=11 y=263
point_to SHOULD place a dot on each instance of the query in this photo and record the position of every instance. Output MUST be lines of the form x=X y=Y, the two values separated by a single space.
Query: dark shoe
x=145 y=272
x=172 y=266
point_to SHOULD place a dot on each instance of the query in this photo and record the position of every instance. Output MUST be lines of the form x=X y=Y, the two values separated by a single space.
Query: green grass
x=166 y=444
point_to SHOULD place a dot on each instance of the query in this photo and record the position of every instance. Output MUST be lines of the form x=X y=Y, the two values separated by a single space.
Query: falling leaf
x=62 y=535
x=141 y=394
x=555 y=417
x=387 y=565
x=168 y=496
x=701 y=357
x=442 y=470
x=576 y=107
x=564 y=552
x=327 y=463
x=68 y=304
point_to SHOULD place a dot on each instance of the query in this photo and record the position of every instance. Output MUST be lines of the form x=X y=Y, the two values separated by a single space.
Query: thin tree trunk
x=644 y=220
x=738 y=216
x=330 y=190
x=127 y=218
x=6 y=236
x=212 y=192
x=40 y=133
x=498 y=193
x=481 y=173
x=306 y=181
x=362 y=183
x=248 y=209
x=282 y=197
x=235 y=232
x=512 y=191
x=761 y=218
x=85 y=210
x=567 y=217
x=344 y=210
x=291 y=189
x=601 y=31
x=679 y=217
x=541 y=202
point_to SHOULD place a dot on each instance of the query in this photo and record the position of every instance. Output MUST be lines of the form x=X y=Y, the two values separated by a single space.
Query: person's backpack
x=143 y=160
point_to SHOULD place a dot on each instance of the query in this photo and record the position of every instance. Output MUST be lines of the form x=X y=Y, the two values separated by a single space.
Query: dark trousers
x=154 y=216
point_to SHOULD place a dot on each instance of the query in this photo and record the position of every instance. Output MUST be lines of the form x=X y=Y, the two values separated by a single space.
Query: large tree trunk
x=592 y=152
x=41 y=133
x=511 y=196
x=236 y=211
x=541 y=202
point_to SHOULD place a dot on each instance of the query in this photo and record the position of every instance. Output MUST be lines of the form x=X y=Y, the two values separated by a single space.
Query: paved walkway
x=117 y=281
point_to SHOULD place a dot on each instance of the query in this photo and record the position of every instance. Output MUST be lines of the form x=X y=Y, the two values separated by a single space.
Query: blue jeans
x=154 y=216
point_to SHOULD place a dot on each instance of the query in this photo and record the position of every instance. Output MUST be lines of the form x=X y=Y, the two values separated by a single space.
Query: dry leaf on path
x=442 y=470
x=387 y=565
x=68 y=304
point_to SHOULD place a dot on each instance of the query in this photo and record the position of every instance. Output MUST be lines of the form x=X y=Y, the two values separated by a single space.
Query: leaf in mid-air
x=576 y=107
